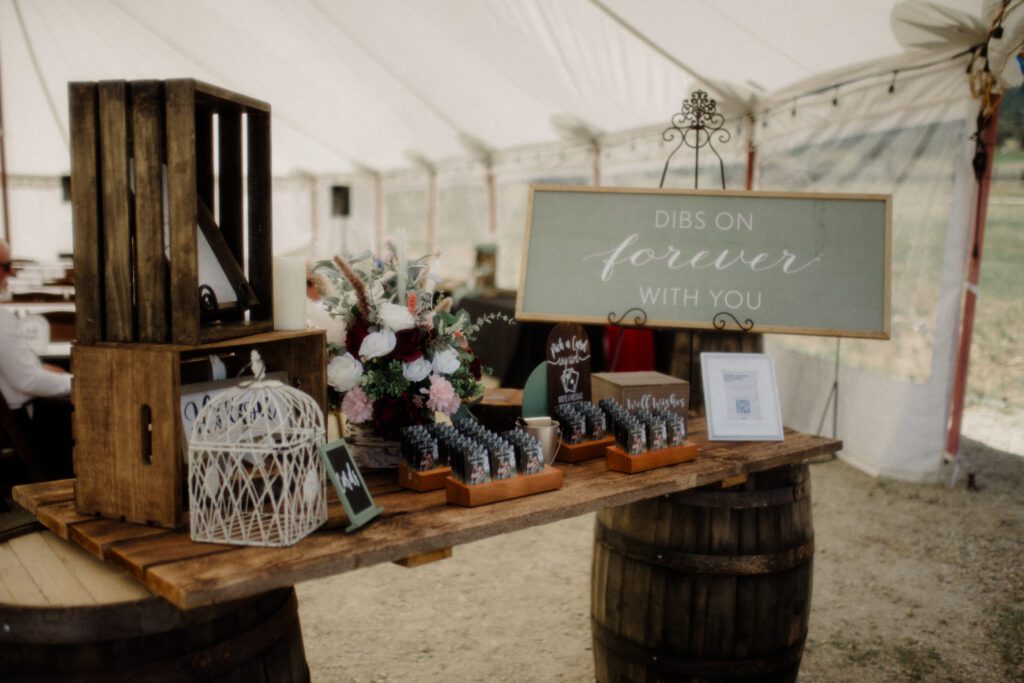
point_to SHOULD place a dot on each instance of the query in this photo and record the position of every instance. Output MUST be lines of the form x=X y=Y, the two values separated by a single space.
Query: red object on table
x=636 y=353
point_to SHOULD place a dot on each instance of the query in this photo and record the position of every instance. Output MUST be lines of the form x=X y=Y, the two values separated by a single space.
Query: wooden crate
x=143 y=149
x=129 y=443
x=635 y=390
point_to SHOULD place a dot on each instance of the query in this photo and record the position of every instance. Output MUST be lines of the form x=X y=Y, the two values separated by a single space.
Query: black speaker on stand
x=340 y=199
x=341 y=207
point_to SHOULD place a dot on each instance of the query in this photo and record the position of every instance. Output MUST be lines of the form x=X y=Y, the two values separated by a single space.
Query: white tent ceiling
x=371 y=84
x=391 y=85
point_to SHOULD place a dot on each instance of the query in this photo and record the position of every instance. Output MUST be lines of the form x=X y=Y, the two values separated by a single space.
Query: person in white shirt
x=24 y=380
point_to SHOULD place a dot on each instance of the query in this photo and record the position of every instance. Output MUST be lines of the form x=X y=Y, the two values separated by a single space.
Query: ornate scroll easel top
x=698 y=124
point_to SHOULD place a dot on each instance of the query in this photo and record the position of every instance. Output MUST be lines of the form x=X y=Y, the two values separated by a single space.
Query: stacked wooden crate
x=156 y=164
x=142 y=157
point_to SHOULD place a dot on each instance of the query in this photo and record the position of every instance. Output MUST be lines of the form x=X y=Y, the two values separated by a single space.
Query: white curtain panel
x=911 y=141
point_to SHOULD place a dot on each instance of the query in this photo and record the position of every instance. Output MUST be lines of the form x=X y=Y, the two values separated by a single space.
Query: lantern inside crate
x=255 y=476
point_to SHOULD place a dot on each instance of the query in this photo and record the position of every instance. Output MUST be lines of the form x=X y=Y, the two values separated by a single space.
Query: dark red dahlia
x=408 y=345
x=476 y=368
x=390 y=414
x=355 y=334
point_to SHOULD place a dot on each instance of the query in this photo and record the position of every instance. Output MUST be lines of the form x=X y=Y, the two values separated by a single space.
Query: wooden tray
x=457 y=493
x=422 y=480
x=618 y=460
x=588 y=450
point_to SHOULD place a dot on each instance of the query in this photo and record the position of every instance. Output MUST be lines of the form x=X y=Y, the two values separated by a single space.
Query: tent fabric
x=437 y=116
x=356 y=84
x=911 y=143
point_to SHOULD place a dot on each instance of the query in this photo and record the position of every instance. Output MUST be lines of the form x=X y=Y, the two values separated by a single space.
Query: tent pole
x=988 y=144
x=314 y=217
x=3 y=166
x=432 y=213
x=492 y=205
x=378 y=212
x=748 y=184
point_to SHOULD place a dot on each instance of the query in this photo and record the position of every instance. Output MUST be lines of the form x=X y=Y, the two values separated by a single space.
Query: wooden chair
x=17 y=443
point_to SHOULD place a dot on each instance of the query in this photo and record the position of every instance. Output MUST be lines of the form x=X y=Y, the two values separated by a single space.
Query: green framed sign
x=349 y=483
x=797 y=263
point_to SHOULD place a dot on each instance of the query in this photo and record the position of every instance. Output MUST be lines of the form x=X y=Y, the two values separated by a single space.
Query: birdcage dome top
x=261 y=414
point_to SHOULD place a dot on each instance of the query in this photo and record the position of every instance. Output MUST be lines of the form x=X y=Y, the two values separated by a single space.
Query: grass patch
x=856 y=651
x=1010 y=157
x=919 y=663
x=1009 y=638
x=997 y=363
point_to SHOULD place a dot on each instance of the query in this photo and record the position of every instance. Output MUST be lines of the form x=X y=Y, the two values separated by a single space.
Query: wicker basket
x=255 y=475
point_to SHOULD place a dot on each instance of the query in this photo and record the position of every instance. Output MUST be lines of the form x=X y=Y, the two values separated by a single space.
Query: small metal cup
x=546 y=431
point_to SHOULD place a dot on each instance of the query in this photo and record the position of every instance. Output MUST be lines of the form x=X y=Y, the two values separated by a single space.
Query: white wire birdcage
x=254 y=470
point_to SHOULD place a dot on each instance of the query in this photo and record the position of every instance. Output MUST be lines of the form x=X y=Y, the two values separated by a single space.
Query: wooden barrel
x=705 y=585
x=65 y=616
x=686 y=347
x=499 y=409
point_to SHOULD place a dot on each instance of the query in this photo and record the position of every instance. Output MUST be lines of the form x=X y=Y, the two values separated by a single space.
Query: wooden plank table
x=413 y=524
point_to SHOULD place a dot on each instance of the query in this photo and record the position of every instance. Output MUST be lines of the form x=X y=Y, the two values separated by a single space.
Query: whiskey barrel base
x=705 y=585
x=256 y=640
x=636 y=662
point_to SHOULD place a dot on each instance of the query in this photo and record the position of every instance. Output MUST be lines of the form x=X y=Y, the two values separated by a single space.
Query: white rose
x=318 y=316
x=395 y=317
x=417 y=370
x=446 y=361
x=336 y=333
x=377 y=344
x=343 y=372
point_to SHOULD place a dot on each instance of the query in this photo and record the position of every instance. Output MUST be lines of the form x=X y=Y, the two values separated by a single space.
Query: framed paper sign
x=741 y=397
x=796 y=263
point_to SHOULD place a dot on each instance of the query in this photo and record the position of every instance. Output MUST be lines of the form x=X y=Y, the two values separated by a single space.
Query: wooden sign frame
x=821 y=261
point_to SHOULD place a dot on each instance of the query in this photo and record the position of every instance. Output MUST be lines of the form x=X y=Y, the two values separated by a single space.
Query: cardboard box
x=635 y=390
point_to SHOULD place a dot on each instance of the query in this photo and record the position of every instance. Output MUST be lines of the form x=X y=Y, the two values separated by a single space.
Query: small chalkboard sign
x=348 y=482
x=568 y=364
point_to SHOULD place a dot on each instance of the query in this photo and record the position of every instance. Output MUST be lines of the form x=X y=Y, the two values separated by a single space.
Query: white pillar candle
x=289 y=293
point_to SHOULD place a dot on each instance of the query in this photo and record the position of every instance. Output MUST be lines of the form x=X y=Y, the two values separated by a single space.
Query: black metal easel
x=698 y=125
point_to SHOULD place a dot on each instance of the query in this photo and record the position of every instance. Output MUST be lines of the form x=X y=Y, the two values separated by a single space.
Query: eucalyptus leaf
x=463 y=413
x=361 y=256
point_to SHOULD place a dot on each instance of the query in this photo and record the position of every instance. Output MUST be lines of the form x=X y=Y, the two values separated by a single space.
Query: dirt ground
x=911 y=583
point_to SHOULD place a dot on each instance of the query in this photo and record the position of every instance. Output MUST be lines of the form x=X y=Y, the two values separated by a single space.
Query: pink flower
x=357 y=406
x=442 y=396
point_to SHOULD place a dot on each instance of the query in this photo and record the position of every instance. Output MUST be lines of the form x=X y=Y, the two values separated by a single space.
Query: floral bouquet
x=401 y=358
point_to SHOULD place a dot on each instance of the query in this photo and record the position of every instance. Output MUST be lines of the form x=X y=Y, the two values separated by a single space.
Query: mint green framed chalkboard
x=789 y=262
